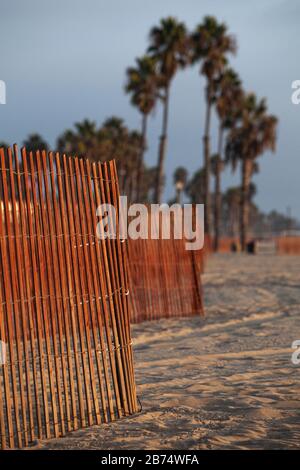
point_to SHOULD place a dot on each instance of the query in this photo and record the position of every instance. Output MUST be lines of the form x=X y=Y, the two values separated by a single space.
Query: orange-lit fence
x=288 y=245
x=165 y=279
x=64 y=314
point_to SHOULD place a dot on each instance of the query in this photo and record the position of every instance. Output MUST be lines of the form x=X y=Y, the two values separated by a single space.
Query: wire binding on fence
x=57 y=297
x=72 y=354
x=70 y=175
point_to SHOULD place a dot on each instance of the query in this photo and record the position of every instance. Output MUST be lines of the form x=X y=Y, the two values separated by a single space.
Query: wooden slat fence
x=64 y=312
x=165 y=279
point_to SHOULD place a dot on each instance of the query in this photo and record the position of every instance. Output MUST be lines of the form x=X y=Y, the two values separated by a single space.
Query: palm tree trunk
x=162 y=151
x=236 y=216
x=206 y=144
x=141 y=159
x=244 y=213
x=231 y=220
x=218 y=196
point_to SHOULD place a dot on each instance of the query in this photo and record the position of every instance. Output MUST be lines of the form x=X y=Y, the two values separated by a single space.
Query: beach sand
x=223 y=382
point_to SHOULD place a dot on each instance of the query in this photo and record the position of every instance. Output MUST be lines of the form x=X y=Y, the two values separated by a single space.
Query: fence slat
x=8 y=266
x=54 y=284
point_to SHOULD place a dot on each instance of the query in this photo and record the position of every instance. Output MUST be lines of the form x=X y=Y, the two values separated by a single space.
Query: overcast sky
x=65 y=60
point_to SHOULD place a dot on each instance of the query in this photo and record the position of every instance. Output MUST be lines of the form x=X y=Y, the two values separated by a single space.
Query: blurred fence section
x=64 y=316
x=165 y=279
x=276 y=244
x=288 y=245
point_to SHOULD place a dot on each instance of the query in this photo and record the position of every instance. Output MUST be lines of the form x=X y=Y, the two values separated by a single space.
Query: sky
x=65 y=60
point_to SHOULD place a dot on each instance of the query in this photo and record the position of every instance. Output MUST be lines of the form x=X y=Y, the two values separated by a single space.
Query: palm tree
x=250 y=138
x=169 y=48
x=83 y=141
x=180 y=179
x=210 y=44
x=113 y=140
x=35 y=142
x=66 y=142
x=142 y=85
x=229 y=98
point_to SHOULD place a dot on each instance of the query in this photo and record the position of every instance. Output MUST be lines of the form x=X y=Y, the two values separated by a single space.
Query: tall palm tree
x=229 y=99
x=180 y=179
x=169 y=48
x=142 y=84
x=210 y=44
x=254 y=134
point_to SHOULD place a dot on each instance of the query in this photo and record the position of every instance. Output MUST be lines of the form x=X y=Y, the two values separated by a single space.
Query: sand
x=223 y=382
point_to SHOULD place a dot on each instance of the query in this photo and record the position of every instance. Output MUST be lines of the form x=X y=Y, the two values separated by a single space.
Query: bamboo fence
x=165 y=278
x=288 y=245
x=64 y=312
